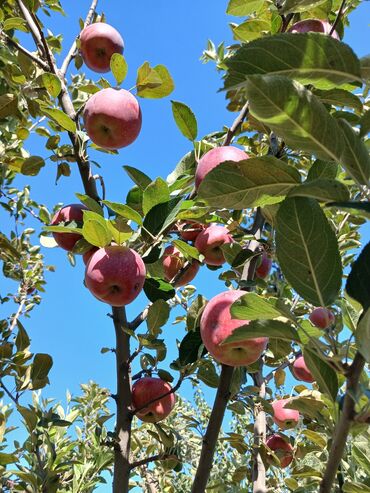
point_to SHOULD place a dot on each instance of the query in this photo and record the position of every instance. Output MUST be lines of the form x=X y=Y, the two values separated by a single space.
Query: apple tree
x=272 y=205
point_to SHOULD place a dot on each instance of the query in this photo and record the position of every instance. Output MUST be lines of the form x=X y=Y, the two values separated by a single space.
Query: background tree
x=279 y=216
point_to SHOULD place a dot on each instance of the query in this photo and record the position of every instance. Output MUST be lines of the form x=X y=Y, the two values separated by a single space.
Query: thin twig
x=337 y=19
x=21 y=48
x=18 y=314
x=137 y=321
x=33 y=28
x=73 y=49
x=147 y=460
x=8 y=393
x=236 y=124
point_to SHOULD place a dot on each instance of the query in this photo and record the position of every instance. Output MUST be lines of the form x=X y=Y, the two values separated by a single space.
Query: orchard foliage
x=271 y=206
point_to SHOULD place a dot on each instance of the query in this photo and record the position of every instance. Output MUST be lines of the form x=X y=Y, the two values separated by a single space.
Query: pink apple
x=216 y=325
x=98 y=42
x=173 y=262
x=282 y=449
x=115 y=275
x=87 y=255
x=300 y=370
x=67 y=214
x=313 y=25
x=214 y=157
x=209 y=242
x=264 y=267
x=322 y=317
x=189 y=230
x=283 y=417
x=112 y=118
x=144 y=391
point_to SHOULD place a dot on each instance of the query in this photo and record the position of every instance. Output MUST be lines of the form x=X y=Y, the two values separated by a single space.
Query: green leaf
x=8 y=105
x=243 y=8
x=365 y=124
x=322 y=189
x=315 y=437
x=309 y=58
x=362 y=335
x=190 y=347
x=185 y=120
x=95 y=229
x=138 y=177
x=355 y=487
x=158 y=289
x=365 y=67
x=249 y=183
x=185 y=167
x=22 y=341
x=120 y=230
x=207 y=374
x=292 y=6
x=251 y=29
x=153 y=82
x=119 y=67
x=6 y=247
x=358 y=281
x=124 y=211
x=355 y=156
x=29 y=416
x=324 y=375
x=187 y=250
x=322 y=169
x=15 y=23
x=90 y=203
x=274 y=329
x=251 y=306
x=52 y=84
x=296 y=115
x=161 y=216
x=158 y=315
x=307 y=251
x=339 y=97
x=41 y=366
x=7 y=459
x=61 y=118
x=194 y=313
x=155 y=193
x=32 y=165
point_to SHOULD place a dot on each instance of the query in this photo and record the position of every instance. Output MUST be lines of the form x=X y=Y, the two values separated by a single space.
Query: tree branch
x=236 y=124
x=21 y=48
x=73 y=49
x=8 y=393
x=259 y=430
x=17 y=314
x=344 y=424
x=337 y=19
x=213 y=430
x=35 y=33
x=147 y=460
x=139 y=319
x=123 y=398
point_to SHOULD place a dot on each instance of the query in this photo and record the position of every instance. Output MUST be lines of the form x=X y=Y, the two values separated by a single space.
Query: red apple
x=264 y=267
x=214 y=157
x=173 y=261
x=87 y=255
x=209 y=242
x=282 y=449
x=67 y=214
x=322 y=317
x=115 y=275
x=98 y=42
x=283 y=417
x=216 y=325
x=313 y=25
x=112 y=118
x=300 y=370
x=144 y=391
x=189 y=230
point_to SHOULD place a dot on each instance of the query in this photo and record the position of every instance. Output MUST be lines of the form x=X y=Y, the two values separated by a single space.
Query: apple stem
x=213 y=429
x=343 y=426
x=123 y=398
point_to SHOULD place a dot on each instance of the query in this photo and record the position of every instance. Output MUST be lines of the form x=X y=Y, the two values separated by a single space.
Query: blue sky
x=70 y=324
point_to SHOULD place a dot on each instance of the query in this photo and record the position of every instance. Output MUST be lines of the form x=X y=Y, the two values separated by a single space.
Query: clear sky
x=70 y=324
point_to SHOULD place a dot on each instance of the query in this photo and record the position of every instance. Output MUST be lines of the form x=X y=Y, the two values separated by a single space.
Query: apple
x=144 y=391
x=313 y=25
x=87 y=255
x=112 y=118
x=282 y=449
x=214 y=157
x=209 y=242
x=98 y=42
x=283 y=417
x=216 y=325
x=264 y=267
x=115 y=275
x=322 y=317
x=173 y=261
x=67 y=214
x=300 y=370
x=189 y=230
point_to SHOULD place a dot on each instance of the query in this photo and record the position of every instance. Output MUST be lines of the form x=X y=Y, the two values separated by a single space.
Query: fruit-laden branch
x=123 y=400
x=213 y=430
x=162 y=396
x=343 y=427
x=236 y=124
x=73 y=50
